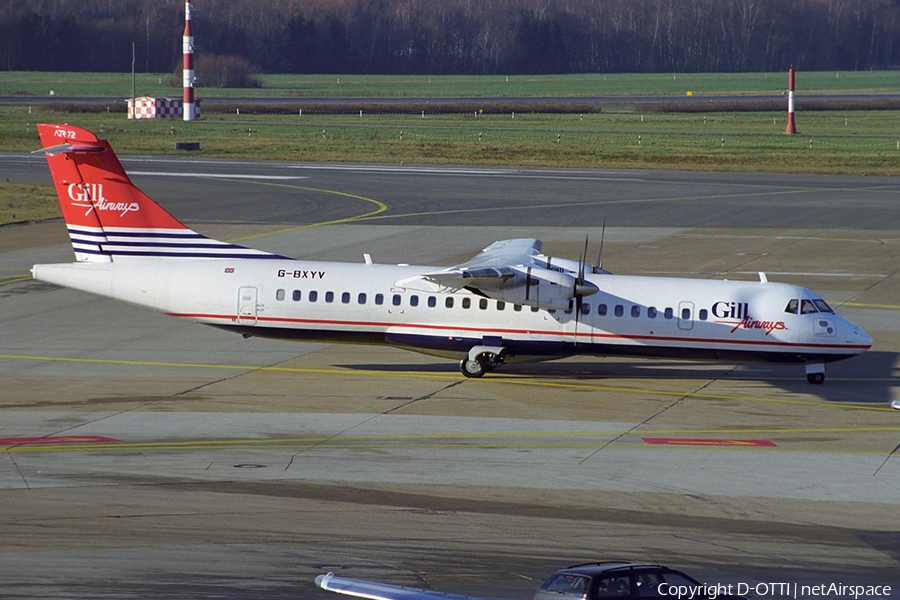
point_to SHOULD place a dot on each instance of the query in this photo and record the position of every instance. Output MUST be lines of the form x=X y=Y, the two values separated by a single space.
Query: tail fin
x=108 y=218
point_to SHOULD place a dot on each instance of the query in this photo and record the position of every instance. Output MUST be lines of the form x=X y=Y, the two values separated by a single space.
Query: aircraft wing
x=380 y=591
x=514 y=271
x=494 y=264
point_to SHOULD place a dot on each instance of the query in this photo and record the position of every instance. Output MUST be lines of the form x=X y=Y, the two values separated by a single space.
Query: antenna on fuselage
x=599 y=266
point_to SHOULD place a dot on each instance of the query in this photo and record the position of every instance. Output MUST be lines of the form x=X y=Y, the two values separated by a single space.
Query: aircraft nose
x=858 y=337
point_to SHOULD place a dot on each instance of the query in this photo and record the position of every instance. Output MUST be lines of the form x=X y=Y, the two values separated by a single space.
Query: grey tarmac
x=147 y=457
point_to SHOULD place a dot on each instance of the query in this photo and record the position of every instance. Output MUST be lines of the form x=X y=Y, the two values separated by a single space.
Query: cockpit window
x=792 y=306
x=807 y=307
x=823 y=306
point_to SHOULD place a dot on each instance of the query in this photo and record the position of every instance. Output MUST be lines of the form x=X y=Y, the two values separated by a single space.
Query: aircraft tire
x=473 y=368
x=815 y=378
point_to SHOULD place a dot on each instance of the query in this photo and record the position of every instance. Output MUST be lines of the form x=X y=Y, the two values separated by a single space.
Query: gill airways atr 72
x=508 y=303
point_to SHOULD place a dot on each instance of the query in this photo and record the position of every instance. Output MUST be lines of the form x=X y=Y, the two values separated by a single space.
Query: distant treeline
x=455 y=36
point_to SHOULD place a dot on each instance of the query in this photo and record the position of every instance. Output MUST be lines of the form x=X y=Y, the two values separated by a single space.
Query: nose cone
x=856 y=337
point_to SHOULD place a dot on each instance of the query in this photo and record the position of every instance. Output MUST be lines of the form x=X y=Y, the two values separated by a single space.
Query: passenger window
x=449 y=302
x=807 y=307
x=535 y=309
x=413 y=300
x=345 y=298
x=379 y=299
x=651 y=312
x=361 y=298
x=703 y=314
x=432 y=301
x=635 y=311
x=823 y=306
x=669 y=313
x=467 y=302
x=585 y=308
x=501 y=304
x=313 y=296
x=620 y=310
x=329 y=296
x=396 y=300
x=517 y=307
x=614 y=587
x=601 y=310
x=279 y=294
x=792 y=306
x=296 y=296
x=482 y=304
x=685 y=314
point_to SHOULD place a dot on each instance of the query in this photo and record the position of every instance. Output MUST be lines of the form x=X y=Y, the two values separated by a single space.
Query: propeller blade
x=579 y=286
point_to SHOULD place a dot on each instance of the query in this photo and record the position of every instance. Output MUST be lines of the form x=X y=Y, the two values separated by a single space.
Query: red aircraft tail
x=110 y=219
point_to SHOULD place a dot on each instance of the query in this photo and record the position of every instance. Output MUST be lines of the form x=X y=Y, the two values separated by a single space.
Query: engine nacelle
x=532 y=286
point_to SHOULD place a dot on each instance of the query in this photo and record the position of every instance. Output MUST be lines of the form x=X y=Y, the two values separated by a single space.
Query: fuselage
x=392 y=304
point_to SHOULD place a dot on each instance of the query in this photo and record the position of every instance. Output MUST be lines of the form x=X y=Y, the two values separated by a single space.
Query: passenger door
x=248 y=305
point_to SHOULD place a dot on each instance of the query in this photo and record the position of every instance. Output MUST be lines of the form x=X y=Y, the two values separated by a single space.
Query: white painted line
x=222 y=175
x=802 y=274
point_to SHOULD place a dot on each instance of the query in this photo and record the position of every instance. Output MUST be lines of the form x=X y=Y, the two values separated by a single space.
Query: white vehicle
x=508 y=303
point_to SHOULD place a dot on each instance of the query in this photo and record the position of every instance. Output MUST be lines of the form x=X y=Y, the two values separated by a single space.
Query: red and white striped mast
x=791 y=126
x=188 y=44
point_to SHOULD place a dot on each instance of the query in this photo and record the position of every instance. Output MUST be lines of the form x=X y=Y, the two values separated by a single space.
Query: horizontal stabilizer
x=70 y=149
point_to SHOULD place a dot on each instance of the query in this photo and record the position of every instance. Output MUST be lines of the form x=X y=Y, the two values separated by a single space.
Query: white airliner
x=508 y=303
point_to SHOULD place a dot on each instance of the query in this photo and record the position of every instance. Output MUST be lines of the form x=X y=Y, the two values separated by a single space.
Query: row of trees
x=456 y=36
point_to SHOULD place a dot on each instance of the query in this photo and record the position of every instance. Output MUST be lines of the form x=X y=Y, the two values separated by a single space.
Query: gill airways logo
x=90 y=196
x=739 y=312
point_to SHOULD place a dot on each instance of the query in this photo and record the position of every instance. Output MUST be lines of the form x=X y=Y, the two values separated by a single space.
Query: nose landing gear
x=815 y=373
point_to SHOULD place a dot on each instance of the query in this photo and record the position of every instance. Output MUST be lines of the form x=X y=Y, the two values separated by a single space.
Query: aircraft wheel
x=815 y=378
x=473 y=368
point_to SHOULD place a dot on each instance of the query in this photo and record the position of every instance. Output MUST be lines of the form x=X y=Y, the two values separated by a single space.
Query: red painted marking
x=709 y=442
x=57 y=439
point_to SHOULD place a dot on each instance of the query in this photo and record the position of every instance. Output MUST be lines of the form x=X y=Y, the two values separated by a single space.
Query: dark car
x=627 y=580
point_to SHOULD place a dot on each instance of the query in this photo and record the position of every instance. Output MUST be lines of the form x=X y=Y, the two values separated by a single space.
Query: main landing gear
x=815 y=374
x=482 y=359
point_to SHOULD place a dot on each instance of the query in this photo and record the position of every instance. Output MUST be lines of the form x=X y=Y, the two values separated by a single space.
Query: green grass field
x=841 y=142
x=20 y=203
x=615 y=84
x=850 y=142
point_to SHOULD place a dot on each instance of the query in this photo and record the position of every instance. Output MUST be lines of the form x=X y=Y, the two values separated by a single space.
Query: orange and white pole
x=188 y=76
x=791 y=126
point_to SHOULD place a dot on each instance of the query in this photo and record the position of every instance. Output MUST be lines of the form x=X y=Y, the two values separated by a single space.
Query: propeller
x=580 y=288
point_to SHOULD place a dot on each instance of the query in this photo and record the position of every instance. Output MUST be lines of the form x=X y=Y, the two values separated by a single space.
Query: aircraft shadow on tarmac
x=867 y=379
